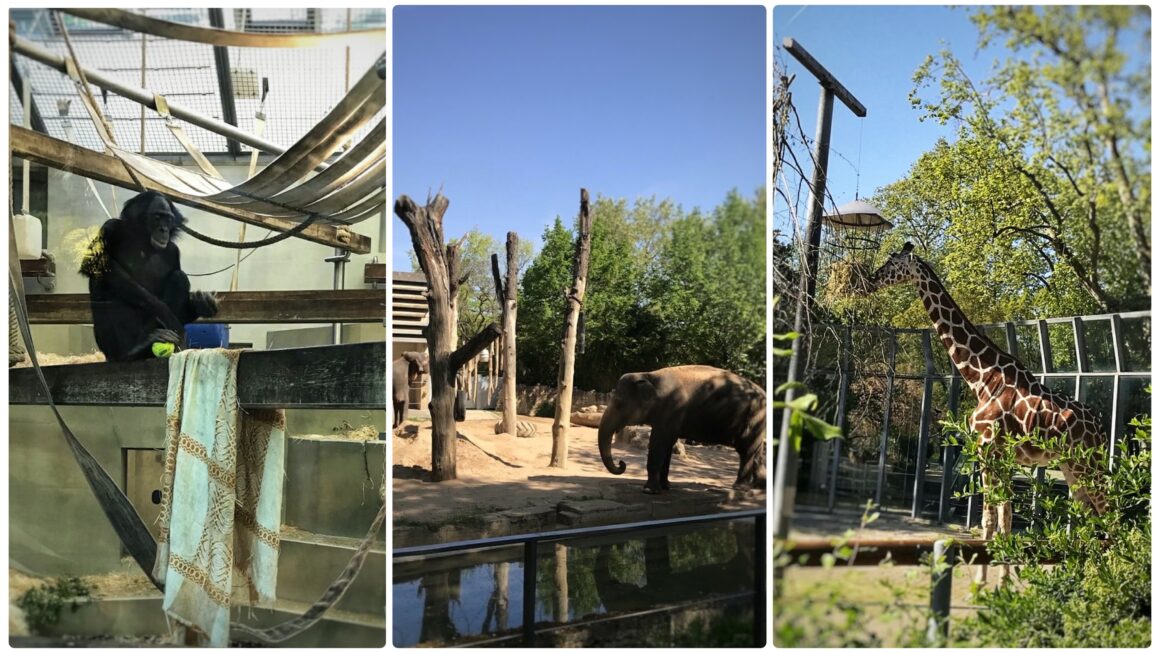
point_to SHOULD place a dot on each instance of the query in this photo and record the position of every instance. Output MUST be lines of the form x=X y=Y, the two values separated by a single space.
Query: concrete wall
x=293 y=264
x=57 y=527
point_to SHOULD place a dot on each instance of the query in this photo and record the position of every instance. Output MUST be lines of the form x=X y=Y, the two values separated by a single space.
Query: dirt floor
x=505 y=485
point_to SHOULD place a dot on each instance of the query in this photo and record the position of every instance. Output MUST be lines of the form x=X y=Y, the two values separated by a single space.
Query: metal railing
x=1043 y=368
x=531 y=547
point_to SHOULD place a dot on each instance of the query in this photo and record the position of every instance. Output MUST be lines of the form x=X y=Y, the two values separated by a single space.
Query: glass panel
x=1096 y=393
x=909 y=359
x=902 y=444
x=1134 y=401
x=436 y=602
x=1061 y=335
x=1027 y=340
x=871 y=350
x=997 y=334
x=1098 y=354
x=1062 y=384
x=1136 y=336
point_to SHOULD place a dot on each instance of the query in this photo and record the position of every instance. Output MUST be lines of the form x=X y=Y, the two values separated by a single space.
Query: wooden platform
x=333 y=376
x=241 y=307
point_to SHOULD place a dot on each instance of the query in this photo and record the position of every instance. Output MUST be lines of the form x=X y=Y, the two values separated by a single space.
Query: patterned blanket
x=221 y=496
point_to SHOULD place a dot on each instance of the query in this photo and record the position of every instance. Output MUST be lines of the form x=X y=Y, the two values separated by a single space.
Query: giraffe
x=1011 y=399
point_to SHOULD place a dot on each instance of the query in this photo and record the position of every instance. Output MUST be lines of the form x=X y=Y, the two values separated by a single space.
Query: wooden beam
x=62 y=155
x=375 y=273
x=334 y=376
x=825 y=78
x=242 y=307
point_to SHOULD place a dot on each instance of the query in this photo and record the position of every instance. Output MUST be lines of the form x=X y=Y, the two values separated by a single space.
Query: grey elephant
x=694 y=402
x=404 y=372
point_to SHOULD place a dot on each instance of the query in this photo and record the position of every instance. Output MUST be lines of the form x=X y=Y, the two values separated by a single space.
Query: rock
x=638 y=438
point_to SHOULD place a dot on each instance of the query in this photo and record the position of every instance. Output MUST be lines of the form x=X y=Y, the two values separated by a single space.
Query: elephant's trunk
x=610 y=423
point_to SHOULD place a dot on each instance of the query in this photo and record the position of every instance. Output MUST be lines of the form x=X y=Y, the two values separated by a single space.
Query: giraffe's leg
x=990 y=510
x=1081 y=481
x=1004 y=527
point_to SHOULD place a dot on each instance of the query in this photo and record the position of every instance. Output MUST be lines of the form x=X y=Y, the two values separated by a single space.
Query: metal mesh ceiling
x=305 y=83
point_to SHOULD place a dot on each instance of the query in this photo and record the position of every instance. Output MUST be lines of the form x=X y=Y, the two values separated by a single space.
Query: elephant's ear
x=644 y=389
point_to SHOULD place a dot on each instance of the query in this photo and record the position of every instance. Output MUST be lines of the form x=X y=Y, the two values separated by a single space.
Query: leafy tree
x=477 y=303
x=1043 y=199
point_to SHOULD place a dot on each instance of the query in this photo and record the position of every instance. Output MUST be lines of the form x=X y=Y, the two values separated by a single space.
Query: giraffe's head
x=902 y=266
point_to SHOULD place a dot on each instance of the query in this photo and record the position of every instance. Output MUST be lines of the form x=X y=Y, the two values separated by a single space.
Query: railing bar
x=508 y=540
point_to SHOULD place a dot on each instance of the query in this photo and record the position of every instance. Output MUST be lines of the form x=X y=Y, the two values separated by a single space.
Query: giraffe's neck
x=973 y=353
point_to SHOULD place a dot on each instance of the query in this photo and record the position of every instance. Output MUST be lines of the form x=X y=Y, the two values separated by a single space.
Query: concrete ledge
x=306 y=569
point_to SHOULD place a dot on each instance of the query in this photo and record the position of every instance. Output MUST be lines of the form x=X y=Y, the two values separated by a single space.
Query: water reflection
x=452 y=599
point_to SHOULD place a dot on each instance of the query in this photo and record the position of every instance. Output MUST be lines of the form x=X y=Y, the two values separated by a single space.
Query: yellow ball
x=163 y=349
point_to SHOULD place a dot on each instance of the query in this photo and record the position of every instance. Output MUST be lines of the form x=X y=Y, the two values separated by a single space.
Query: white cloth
x=221 y=495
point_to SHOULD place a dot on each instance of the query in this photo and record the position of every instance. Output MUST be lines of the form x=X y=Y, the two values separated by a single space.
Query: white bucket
x=28 y=236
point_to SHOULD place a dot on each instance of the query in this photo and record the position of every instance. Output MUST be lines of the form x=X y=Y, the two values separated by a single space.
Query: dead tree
x=505 y=293
x=441 y=269
x=574 y=302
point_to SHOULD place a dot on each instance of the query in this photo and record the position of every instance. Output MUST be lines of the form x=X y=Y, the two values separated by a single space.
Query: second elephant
x=404 y=372
x=694 y=402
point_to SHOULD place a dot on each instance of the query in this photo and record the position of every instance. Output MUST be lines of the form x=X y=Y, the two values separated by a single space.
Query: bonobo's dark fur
x=138 y=293
x=694 y=402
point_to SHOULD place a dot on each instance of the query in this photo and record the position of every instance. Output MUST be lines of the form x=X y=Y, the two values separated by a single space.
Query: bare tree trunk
x=575 y=301
x=425 y=223
x=505 y=292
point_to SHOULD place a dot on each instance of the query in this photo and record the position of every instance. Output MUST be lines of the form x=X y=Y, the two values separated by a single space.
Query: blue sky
x=512 y=109
x=874 y=52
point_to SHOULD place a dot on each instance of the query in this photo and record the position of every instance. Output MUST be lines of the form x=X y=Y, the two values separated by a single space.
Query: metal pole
x=530 y=562
x=846 y=367
x=940 y=592
x=141 y=96
x=759 y=565
x=886 y=406
x=785 y=475
x=923 y=427
x=950 y=454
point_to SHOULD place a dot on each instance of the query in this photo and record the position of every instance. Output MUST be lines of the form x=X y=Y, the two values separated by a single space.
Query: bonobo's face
x=159 y=218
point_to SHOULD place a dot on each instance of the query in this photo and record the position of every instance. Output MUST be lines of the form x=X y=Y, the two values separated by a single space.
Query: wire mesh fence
x=224 y=83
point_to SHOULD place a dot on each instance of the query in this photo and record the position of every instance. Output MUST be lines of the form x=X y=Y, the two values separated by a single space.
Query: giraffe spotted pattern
x=1010 y=399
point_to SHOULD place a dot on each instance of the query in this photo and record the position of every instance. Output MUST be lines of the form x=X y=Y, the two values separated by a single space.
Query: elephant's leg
x=750 y=450
x=668 y=459
x=658 y=444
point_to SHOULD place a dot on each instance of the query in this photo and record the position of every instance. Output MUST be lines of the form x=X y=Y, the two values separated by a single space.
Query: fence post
x=759 y=607
x=942 y=564
x=530 y=561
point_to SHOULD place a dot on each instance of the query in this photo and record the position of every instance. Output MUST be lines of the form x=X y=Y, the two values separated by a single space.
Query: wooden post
x=440 y=266
x=505 y=292
x=575 y=301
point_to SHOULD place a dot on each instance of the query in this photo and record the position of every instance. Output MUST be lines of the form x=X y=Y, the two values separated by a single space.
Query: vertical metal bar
x=1036 y=500
x=878 y=490
x=221 y=58
x=759 y=564
x=950 y=454
x=1012 y=341
x=531 y=560
x=846 y=369
x=1081 y=362
x=940 y=592
x=30 y=107
x=785 y=474
x=923 y=426
x=1045 y=348
x=1116 y=432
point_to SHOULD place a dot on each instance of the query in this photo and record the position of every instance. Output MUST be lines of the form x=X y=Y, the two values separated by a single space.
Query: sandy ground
x=502 y=472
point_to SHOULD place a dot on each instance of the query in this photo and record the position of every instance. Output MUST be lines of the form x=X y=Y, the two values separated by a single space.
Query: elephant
x=694 y=402
x=404 y=372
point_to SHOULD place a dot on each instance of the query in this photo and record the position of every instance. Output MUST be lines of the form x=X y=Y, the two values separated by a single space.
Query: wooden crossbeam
x=62 y=155
x=334 y=376
x=241 y=307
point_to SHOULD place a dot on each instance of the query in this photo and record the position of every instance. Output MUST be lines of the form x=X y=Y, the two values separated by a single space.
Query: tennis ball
x=162 y=349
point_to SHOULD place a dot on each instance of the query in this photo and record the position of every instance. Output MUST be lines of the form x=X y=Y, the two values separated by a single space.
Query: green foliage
x=726 y=632
x=42 y=606
x=545 y=409
x=478 y=306
x=1097 y=591
x=665 y=288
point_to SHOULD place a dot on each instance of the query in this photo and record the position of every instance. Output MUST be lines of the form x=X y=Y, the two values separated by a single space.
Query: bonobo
x=138 y=293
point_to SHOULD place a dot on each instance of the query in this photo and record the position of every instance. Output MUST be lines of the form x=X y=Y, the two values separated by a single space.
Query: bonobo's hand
x=165 y=335
x=205 y=304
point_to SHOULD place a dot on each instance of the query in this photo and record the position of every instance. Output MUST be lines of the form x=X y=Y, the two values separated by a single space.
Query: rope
x=299 y=228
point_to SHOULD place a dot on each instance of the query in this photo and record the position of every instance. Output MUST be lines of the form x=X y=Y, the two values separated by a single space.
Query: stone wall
x=531 y=397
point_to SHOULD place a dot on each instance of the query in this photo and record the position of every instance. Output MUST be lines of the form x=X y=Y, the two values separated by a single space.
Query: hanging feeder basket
x=852 y=236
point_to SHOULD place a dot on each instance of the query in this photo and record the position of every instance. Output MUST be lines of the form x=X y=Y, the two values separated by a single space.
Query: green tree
x=1044 y=197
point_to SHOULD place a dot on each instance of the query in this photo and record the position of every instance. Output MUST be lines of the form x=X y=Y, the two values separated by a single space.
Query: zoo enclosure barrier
x=1101 y=360
x=531 y=547
x=909 y=552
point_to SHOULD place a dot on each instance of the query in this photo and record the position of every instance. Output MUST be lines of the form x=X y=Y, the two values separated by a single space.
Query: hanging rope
x=299 y=228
